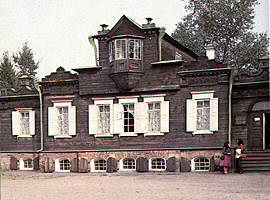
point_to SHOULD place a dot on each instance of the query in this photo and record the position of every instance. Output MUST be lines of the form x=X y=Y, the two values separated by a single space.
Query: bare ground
x=131 y=186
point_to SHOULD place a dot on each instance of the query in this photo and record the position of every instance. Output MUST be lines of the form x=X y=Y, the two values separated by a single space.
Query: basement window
x=26 y=164
x=98 y=165
x=157 y=164
x=62 y=165
x=200 y=164
x=129 y=164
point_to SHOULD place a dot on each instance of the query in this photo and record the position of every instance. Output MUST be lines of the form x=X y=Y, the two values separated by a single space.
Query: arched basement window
x=200 y=164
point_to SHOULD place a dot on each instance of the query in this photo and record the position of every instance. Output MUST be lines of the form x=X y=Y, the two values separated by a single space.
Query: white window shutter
x=16 y=124
x=118 y=118
x=111 y=119
x=165 y=112
x=191 y=111
x=93 y=119
x=32 y=122
x=72 y=120
x=52 y=121
x=214 y=114
x=141 y=117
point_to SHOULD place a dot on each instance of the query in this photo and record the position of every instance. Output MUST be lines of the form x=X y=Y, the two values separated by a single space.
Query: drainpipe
x=37 y=86
x=232 y=74
x=161 y=34
x=92 y=42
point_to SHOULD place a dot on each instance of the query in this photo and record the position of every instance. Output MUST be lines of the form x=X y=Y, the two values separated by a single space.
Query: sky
x=58 y=30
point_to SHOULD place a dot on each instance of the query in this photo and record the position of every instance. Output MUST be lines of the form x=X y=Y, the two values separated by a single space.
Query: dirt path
x=148 y=186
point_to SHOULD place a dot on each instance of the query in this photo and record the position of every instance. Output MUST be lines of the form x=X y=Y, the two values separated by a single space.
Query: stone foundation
x=46 y=160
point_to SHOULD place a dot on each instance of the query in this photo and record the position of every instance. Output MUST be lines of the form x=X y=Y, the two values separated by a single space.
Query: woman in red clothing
x=226 y=162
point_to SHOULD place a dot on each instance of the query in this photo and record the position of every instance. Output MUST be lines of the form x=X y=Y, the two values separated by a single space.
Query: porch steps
x=256 y=161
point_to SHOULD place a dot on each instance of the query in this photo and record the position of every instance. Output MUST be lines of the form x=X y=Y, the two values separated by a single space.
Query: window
x=134 y=50
x=98 y=165
x=128 y=117
x=26 y=164
x=120 y=49
x=202 y=113
x=104 y=118
x=157 y=112
x=128 y=164
x=125 y=48
x=200 y=164
x=111 y=51
x=62 y=165
x=157 y=164
x=154 y=116
x=62 y=120
x=101 y=118
x=23 y=123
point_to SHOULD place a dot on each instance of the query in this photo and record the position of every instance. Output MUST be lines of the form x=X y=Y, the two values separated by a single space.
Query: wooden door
x=255 y=131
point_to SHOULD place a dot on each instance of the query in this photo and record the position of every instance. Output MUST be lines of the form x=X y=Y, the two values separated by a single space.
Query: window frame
x=119 y=49
x=18 y=125
x=93 y=165
x=94 y=117
x=191 y=112
x=155 y=169
x=58 y=165
x=22 y=164
x=128 y=101
x=53 y=119
x=164 y=114
x=193 y=164
x=122 y=164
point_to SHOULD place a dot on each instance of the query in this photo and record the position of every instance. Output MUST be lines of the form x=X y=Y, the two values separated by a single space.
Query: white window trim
x=22 y=164
x=155 y=98
x=157 y=170
x=15 y=124
x=92 y=165
x=121 y=165
x=128 y=100
x=192 y=165
x=64 y=103
x=127 y=42
x=202 y=95
x=57 y=165
x=103 y=101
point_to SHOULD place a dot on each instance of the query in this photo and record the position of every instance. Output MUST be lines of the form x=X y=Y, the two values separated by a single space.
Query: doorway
x=266 y=131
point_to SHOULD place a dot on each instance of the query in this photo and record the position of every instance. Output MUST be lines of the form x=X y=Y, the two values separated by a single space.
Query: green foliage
x=8 y=75
x=227 y=24
x=25 y=63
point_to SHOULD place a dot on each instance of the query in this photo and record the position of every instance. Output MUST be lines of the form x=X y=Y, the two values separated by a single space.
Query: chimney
x=25 y=80
x=210 y=51
x=104 y=29
x=149 y=24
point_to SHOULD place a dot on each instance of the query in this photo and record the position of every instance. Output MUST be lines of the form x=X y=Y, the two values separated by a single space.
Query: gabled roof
x=140 y=30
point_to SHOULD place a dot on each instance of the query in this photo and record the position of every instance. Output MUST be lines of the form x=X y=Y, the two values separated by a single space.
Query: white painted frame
x=121 y=165
x=21 y=163
x=157 y=170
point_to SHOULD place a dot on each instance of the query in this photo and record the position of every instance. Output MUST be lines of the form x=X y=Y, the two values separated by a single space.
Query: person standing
x=226 y=162
x=239 y=155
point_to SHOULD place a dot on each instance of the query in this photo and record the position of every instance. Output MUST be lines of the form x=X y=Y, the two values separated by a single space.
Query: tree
x=227 y=24
x=8 y=75
x=24 y=61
